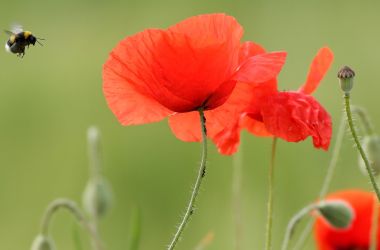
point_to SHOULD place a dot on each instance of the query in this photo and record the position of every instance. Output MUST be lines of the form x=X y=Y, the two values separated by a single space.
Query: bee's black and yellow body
x=18 y=41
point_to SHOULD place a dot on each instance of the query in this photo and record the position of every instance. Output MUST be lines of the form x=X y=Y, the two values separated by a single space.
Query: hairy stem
x=198 y=182
x=268 y=240
x=359 y=146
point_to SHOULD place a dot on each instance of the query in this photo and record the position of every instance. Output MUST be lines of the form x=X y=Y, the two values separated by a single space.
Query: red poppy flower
x=358 y=235
x=174 y=72
x=290 y=115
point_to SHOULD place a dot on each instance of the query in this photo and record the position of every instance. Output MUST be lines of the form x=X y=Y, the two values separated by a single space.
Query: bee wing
x=7 y=48
x=16 y=28
x=9 y=32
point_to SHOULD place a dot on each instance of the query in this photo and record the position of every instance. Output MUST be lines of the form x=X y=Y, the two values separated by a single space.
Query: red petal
x=200 y=55
x=125 y=77
x=183 y=68
x=228 y=140
x=294 y=116
x=318 y=68
x=358 y=235
x=249 y=49
x=186 y=126
x=255 y=127
x=261 y=68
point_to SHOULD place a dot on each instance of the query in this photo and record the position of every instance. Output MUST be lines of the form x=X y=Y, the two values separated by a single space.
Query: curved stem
x=237 y=199
x=268 y=241
x=74 y=210
x=359 y=146
x=198 y=182
x=293 y=223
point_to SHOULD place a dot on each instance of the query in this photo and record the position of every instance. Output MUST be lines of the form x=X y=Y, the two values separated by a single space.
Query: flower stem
x=268 y=241
x=327 y=181
x=198 y=182
x=237 y=198
x=74 y=210
x=293 y=223
x=359 y=146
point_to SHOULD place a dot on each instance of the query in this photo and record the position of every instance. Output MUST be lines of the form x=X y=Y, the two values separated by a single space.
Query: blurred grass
x=50 y=97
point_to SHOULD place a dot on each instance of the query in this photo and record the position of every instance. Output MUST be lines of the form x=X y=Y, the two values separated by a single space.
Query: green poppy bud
x=371 y=145
x=97 y=197
x=42 y=242
x=346 y=78
x=337 y=213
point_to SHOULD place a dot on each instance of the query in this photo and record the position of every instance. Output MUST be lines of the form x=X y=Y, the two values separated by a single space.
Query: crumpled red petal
x=318 y=68
x=295 y=116
x=261 y=67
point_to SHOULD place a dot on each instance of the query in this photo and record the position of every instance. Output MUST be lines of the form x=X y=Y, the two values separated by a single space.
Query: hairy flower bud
x=42 y=242
x=97 y=197
x=371 y=145
x=346 y=78
x=337 y=213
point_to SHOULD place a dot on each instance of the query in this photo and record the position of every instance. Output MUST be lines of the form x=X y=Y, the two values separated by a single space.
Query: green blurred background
x=49 y=98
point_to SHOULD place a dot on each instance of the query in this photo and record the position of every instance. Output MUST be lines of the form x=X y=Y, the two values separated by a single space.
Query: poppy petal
x=318 y=68
x=255 y=127
x=198 y=56
x=228 y=140
x=249 y=49
x=261 y=68
x=186 y=126
x=294 y=116
x=129 y=80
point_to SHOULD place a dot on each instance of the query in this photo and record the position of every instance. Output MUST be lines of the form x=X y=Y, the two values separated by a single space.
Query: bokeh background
x=49 y=98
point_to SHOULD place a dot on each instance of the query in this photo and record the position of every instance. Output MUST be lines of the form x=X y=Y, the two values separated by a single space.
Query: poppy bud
x=43 y=242
x=371 y=145
x=346 y=78
x=337 y=213
x=97 y=197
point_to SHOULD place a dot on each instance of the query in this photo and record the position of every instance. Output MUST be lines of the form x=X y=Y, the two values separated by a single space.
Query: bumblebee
x=18 y=40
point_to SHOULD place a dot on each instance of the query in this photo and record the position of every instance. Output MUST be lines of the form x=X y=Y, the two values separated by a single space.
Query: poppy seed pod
x=346 y=78
x=43 y=242
x=371 y=145
x=97 y=197
x=337 y=213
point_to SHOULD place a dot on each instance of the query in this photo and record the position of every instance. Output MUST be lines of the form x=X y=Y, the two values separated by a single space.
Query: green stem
x=359 y=146
x=237 y=199
x=268 y=241
x=375 y=224
x=74 y=210
x=198 y=182
x=293 y=223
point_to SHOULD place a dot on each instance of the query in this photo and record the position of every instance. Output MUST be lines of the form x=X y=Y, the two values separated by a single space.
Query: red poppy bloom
x=173 y=72
x=358 y=235
x=290 y=115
